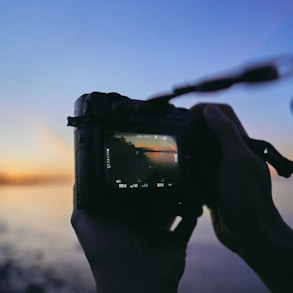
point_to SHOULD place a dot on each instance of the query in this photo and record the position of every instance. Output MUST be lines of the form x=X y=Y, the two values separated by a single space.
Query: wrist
x=268 y=249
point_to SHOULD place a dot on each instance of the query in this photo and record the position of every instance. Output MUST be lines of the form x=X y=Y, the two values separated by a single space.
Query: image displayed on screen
x=140 y=160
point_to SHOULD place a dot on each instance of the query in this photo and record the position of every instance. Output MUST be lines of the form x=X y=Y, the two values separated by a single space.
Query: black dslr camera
x=138 y=157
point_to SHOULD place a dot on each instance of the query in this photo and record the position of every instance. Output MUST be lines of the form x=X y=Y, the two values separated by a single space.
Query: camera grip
x=83 y=166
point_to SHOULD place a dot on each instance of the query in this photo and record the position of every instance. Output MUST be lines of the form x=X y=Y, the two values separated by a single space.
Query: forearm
x=269 y=252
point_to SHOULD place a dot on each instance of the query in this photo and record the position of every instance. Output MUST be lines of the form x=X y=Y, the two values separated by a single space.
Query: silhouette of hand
x=243 y=214
x=243 y=185
x=134 y=256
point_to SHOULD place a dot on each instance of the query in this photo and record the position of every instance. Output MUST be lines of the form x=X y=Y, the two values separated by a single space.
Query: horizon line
x=22 y=180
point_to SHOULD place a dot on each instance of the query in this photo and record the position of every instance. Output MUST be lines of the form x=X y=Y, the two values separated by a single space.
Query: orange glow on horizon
x=34 y=179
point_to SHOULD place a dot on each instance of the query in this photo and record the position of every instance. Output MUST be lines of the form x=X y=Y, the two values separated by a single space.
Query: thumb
x=224 y=129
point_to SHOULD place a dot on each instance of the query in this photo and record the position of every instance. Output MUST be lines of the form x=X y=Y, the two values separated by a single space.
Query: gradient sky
x=54 y=51
x=150 y=141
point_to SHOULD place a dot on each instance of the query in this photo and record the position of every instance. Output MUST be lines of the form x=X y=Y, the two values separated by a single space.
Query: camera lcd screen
x=141 y=160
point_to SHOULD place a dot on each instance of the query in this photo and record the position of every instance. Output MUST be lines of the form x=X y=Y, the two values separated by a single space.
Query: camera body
x=136 y=157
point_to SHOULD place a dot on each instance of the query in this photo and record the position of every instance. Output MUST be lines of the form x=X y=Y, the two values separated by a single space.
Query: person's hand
x=134 y=256
x=244 y=216
x=243 y=185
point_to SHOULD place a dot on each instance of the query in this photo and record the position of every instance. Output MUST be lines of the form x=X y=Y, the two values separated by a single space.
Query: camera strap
x=269 y=153
x=78 y=120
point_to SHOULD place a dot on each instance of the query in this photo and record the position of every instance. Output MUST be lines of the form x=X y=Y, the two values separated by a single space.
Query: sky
x=52 y=52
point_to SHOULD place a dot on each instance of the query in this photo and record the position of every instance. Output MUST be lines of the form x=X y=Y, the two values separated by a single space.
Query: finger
x=225 y=108
x=87 y=226
x=229 y=112
x=83 y=227
x=224 y=128
x=76 y=217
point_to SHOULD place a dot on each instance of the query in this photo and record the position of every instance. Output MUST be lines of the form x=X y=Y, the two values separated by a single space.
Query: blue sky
x=54 y=51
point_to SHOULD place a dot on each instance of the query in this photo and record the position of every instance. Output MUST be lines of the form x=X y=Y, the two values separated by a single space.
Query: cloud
x=51 y=141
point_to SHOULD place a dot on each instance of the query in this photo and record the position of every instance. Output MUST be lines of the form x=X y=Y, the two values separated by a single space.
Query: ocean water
x=38 y=248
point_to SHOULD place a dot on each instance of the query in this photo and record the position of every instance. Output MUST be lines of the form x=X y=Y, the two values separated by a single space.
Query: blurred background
x=51 y=52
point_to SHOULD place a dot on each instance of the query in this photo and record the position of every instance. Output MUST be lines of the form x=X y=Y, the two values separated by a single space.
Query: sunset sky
x=150 y=141
x=54 y=51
